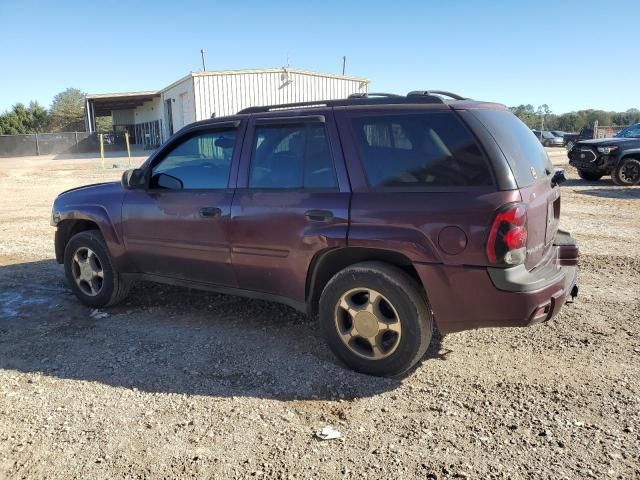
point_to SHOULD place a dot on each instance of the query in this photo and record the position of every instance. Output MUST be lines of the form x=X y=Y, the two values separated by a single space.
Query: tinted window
x=519 y=145
x=199 y=162
x=291 y=157
x=425 y=150
x=630 y=132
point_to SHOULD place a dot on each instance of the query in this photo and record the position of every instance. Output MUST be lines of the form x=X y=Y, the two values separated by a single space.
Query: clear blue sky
x=568 y=54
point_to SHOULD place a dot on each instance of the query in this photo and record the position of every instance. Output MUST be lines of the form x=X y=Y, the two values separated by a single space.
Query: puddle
x=12 y=302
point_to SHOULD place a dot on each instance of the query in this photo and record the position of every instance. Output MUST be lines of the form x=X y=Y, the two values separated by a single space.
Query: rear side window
x=519 y=145
x=419 y=151
x=292 y=157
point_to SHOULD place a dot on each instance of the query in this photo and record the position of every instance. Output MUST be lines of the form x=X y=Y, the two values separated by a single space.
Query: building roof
x=213 y=73
x=105 y=103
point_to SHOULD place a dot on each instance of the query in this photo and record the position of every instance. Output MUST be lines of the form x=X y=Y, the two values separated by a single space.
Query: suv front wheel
x=627 y=172
x=375 y=318
x=90 y=273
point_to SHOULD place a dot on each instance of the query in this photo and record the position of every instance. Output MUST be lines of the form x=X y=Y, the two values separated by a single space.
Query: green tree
x=104 y=124
x=542 y=111
x=67 y=111
x=21 y=119
x=526 y=113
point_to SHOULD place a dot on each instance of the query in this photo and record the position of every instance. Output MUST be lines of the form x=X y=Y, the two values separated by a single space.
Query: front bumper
x=464 y=298
x=589 y=160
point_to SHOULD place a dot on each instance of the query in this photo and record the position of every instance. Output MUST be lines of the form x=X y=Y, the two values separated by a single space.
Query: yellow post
x=126 y=139
x=102 y=149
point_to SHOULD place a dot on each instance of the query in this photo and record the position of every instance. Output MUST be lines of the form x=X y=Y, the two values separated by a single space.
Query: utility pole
x=204 y=68
x=344 y=64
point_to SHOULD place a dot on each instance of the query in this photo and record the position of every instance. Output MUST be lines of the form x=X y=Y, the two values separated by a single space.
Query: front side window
x=419 y=150
x=291 y=157
x=630 y=132
x=202 y=161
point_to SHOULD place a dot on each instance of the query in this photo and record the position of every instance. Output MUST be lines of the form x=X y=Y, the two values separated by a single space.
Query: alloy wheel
x=87 y=271
x=630 y=173
x=367 y=323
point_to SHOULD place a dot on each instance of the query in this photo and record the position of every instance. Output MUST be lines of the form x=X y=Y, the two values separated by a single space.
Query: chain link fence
x=60 y=143
x=47 y=144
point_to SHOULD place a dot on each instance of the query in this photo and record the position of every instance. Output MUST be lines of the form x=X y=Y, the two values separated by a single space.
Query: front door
x=178 y=226
x=292 y=202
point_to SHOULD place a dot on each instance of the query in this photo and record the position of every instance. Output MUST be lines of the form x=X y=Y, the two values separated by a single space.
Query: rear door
x=292 y=201
x=532 y=170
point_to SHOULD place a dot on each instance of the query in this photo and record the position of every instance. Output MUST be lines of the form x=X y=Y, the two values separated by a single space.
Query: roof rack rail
x=431 y=96
x=373 y=94
x=421 y=93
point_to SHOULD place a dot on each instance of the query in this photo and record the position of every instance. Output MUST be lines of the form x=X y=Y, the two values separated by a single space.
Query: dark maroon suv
x=381 y=214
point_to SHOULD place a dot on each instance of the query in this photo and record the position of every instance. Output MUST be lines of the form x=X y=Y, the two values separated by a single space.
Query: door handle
x=319 y=215
x=210 y=212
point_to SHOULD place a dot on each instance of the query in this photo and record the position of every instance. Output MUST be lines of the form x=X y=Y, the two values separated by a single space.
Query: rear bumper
x=464 y=298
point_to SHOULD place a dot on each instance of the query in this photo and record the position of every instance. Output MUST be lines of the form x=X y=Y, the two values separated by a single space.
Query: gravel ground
x=182 y=384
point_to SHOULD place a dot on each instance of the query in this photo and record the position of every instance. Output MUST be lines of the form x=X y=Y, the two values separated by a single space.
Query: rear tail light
x=507 y=241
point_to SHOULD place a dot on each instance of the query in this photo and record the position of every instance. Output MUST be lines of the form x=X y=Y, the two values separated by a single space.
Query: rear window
x=519 y=145
x=420 y=151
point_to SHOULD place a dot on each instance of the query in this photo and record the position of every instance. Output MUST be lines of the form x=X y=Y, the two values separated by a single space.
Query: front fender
x=66 y=216
x=626 y=153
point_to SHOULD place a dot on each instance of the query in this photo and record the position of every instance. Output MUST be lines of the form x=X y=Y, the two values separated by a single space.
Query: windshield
x=630 y=132
x=547 y=135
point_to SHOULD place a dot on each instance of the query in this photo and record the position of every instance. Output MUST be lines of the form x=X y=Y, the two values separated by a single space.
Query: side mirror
x=167 y=182
x=558 y=177
x=133 y=178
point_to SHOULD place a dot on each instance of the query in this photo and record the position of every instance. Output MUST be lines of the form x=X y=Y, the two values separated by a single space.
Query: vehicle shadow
x=625 y=193
x=578 y=182
x=172 y=340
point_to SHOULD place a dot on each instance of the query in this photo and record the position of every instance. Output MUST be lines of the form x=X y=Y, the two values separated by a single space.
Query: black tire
x=589 y=176
x=627 y=172
x=113 y=287
x=405 y=296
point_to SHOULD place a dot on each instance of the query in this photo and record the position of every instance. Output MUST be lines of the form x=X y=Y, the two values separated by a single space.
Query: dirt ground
x=183 y=384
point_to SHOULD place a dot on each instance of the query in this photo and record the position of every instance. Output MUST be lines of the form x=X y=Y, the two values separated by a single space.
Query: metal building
x=151 y=117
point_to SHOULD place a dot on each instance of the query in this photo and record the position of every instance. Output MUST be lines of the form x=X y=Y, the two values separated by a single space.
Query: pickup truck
x=618 y=156
x=570 y=139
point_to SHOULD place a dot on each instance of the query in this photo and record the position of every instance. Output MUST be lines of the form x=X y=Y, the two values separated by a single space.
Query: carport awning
x=104 y=104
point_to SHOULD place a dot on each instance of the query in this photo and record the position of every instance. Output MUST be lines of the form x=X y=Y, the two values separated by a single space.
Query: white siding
x=122 y=117
x=148 y=111
x=182 y=104
x=225 y=93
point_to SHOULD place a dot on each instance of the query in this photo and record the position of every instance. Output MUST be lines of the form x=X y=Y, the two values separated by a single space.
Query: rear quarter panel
x=411 y=223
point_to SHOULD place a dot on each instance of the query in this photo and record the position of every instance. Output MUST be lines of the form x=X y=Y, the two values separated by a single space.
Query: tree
x=67 y=111
x=542 y=111
x=104 y=124
x=526 y=113
x=21 y=119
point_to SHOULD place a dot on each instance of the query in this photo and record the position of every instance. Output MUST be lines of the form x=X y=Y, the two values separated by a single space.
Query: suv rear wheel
x=375 y=318
x=627 y=172
x=90 y=273
x=589 y=176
